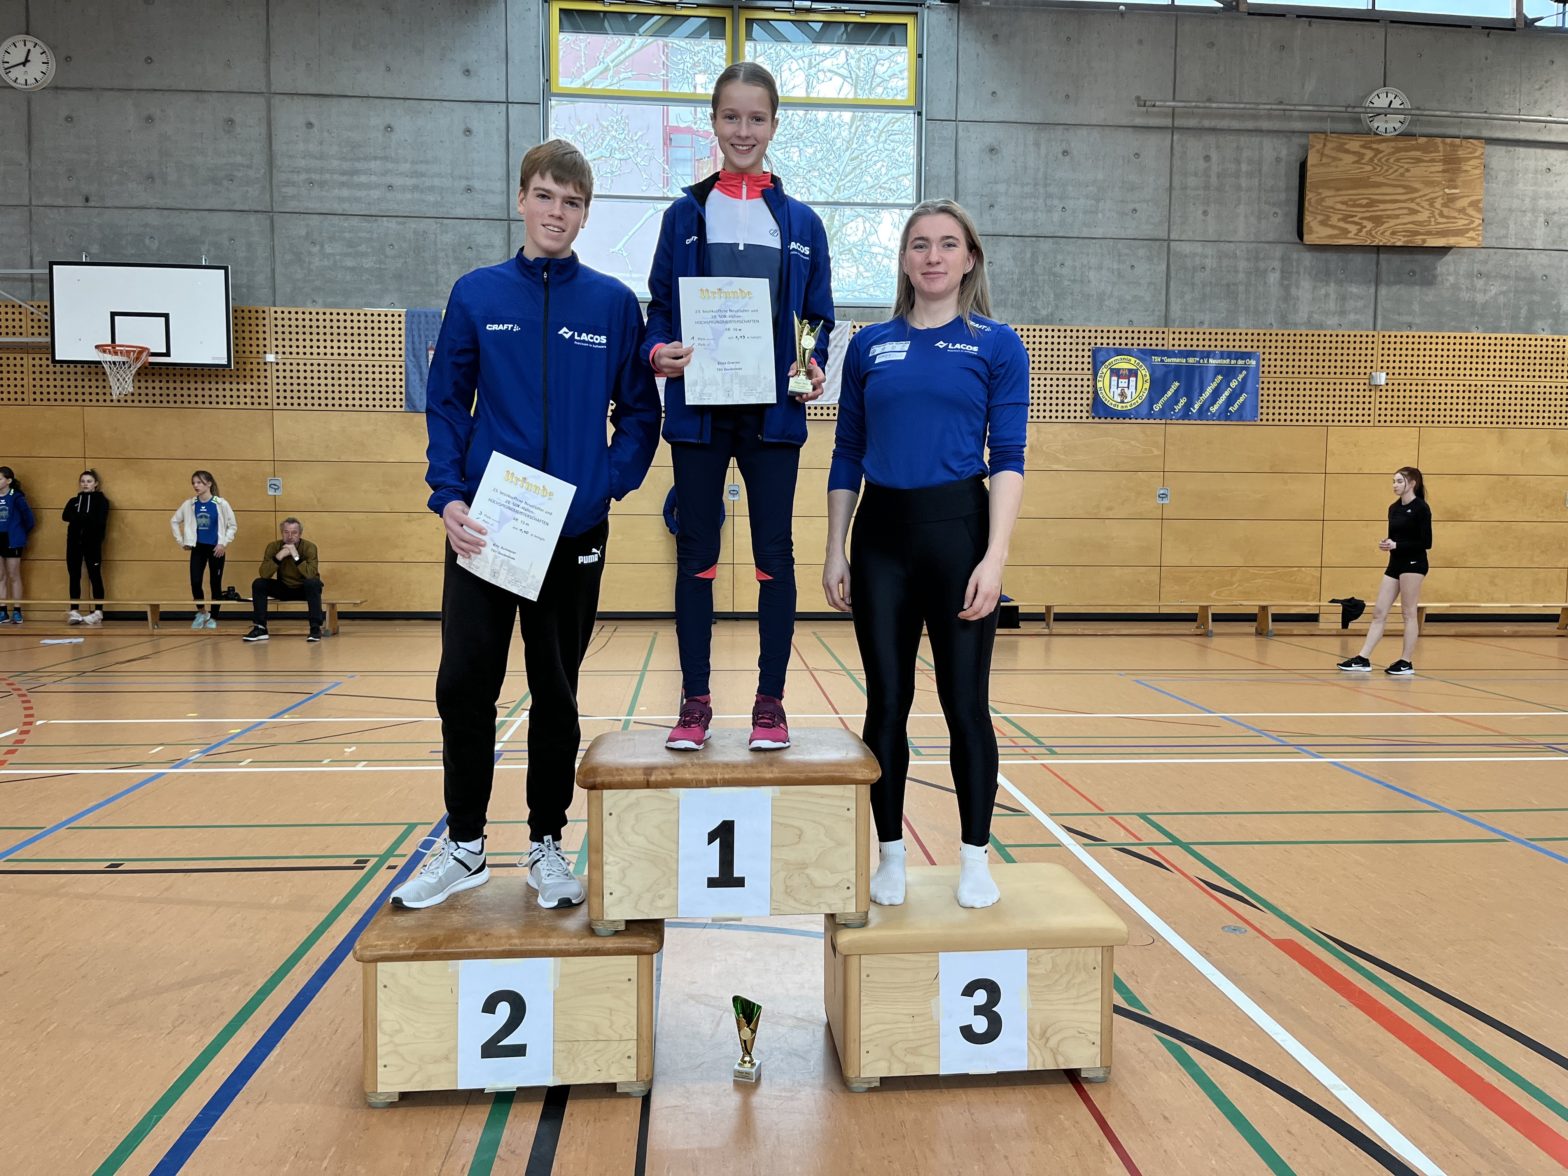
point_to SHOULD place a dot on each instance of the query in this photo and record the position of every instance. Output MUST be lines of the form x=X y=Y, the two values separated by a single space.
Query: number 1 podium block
x=932 y=988
x=490 y=992
x=727 y=832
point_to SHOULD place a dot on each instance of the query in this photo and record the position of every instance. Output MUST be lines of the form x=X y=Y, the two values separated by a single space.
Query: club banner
x=1205 y=387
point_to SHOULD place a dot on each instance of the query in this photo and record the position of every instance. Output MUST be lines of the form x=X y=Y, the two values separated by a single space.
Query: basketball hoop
x=120 y=363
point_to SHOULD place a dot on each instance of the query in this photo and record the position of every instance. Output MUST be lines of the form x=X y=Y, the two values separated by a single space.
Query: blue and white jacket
x=16 y=519
x=533 y=354
x=805 y=289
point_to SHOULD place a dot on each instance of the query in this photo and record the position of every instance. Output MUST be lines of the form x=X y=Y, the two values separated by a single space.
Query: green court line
x=247 y=857
x=1323 y=841
x=1370 y=976
x=258 y=825
x=631 y=708
x=840 y=663
x=1025 y=732
x=490 y=1137
x=1194 y=1071
x=188 y=1076
x=1200 y=1077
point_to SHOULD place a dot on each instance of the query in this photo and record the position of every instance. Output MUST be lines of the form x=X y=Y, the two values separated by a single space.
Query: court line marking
x=1065 y=716
x=156 y=776
x=1405 y=792
x=1299 y=760
x=1332 y=1082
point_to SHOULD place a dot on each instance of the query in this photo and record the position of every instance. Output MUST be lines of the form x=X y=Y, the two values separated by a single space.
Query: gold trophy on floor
x=805 y=344
x=747 y=1014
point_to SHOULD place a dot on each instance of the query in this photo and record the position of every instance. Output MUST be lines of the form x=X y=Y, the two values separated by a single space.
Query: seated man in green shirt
x=288 y=572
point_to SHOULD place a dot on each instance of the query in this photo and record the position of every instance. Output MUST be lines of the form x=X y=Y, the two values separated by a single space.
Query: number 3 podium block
x=727 y=832
x=490 y=992
x=931 y=988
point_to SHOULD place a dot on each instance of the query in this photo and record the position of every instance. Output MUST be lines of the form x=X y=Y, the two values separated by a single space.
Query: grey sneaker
x=448 y=869
x=551 y=875
x=212 y=621
x=199 y=621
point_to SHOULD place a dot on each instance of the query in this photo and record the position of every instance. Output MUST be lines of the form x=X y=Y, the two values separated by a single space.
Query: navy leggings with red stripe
x=768 y=471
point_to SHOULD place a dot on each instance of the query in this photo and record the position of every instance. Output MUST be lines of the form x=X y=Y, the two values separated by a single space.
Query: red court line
x=29 y=720
x=1472 y=1083
x=1094 y=1112
x=1105 y=1127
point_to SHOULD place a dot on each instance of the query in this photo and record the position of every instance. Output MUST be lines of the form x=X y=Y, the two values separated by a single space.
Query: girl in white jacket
x=204 y=525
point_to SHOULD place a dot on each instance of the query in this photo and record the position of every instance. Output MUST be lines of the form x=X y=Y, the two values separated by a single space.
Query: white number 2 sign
x=505 y=1023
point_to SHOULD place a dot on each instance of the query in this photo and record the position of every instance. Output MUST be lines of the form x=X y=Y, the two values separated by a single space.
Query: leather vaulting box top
x=639 y=759
x=1042 y=906
x=500 y=920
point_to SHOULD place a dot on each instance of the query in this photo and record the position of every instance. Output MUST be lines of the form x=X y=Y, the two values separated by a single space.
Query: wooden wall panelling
x=1244 y=448
x=1493 y=451
x=1239 y=583
x=1371 y=450
x=1245 y=496
x=33 y=431
x=1066 y=586
x=188 y=434
x=1368 y=190
x=1240 y=544
x=350 y=435
x=1111 y=445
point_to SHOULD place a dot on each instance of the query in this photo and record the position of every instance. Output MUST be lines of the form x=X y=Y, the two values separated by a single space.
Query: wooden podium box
x=932 y=988
x=783 y=832
x=601 y=991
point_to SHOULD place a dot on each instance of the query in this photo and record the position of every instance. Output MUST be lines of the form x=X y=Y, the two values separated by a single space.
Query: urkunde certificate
x=728 y=323
x=522 y=509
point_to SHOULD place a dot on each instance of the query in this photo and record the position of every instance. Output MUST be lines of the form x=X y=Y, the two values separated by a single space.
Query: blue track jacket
x=805 y=290
x=516 y=331
x=18 y=521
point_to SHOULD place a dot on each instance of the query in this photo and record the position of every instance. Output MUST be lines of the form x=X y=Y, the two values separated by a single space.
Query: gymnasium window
x=630 y=85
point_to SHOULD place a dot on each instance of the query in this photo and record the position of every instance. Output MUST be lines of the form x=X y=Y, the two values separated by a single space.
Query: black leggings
x=911 y=557
x=78 y=553
x=202 y=557
x=477 y=621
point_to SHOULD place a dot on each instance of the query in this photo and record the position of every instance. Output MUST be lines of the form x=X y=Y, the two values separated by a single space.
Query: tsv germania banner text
x=1202 y=387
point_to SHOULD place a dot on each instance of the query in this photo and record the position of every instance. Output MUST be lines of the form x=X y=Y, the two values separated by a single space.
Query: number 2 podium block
x=488 y=991
x=727 y=832
x=932 y=988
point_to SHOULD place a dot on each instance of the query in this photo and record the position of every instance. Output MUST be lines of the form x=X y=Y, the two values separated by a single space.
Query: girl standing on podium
x=924 y=395
x=738 y=223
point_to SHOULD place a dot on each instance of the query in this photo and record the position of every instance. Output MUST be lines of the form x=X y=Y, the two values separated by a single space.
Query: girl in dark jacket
x=86 y=519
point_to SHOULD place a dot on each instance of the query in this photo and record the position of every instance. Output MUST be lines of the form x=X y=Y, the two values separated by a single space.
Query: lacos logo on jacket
x=944 y=345
x=797 y=248
x=583 y=338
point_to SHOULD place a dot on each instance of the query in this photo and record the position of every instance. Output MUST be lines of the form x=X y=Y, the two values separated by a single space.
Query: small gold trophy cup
x=747 y=1014
x=805 y=344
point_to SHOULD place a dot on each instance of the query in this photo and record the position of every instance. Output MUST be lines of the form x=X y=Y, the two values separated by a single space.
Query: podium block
x=489 y=991
x=932 y=988
x=727 y=832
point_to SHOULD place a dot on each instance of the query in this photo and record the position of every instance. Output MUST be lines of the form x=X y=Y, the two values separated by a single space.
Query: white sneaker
x=551 y=875
x=93 y=618
x=74 y=618
x=199 y=621
x=212 y=621
x=449 y=869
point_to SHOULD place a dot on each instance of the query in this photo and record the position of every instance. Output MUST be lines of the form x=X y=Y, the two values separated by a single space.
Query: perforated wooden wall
x=1323 y=377
x=325 y=359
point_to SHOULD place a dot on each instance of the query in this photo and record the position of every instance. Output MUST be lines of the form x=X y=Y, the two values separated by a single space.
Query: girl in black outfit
x=86 y=519
x=1409 y=539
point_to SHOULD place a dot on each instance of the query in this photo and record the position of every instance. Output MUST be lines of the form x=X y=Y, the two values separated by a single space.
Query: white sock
x=975 y=886
x=887 y=884
x=472 y=848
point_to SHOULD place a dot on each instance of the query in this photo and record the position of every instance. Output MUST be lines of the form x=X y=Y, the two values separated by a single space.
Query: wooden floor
x=1348 y=900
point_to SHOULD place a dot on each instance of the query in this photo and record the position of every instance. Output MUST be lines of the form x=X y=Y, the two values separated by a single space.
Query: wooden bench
x=1263 y=623
x=154 y=608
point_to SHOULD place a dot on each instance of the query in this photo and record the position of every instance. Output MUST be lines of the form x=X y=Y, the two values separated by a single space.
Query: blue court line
x=207 y=1118
x=155 y=777
x=1369 y=778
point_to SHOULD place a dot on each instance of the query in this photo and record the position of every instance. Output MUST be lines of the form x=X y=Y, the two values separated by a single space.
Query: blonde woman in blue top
x=925 y=395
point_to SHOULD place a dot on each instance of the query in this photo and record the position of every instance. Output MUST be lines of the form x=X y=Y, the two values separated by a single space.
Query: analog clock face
x=1385 y=111
x=26 y=62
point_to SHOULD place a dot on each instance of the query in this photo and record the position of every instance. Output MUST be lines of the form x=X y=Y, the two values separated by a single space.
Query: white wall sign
x=726 y=852
x=984 y=1011
x=505 y=1023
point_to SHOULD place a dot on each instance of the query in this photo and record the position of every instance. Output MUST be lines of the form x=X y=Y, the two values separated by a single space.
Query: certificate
x=728 y=324
x=522 y=510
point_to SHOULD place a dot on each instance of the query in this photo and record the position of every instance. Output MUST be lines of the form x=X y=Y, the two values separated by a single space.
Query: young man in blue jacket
x=534 y=354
